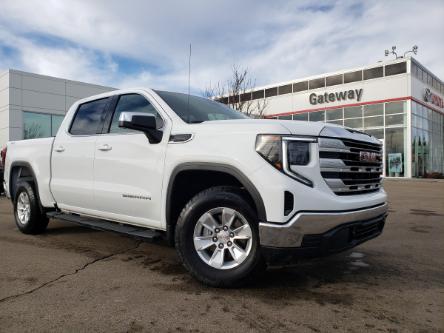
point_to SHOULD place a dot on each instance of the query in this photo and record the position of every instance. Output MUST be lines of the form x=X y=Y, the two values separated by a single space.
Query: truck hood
x=259 y=126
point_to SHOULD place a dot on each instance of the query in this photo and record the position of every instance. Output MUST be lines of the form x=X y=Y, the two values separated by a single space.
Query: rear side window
x=88 y=119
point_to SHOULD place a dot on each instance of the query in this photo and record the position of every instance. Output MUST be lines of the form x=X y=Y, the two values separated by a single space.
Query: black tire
x=37 y=221
x=220 y=196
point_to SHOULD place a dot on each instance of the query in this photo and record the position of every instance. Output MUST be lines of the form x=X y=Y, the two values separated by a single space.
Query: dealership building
x=33 y=106
x=400 y=102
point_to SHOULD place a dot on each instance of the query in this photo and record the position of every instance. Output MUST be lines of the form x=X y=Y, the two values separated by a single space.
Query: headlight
x=270 y=148
x=285 y=151
x=298 y=152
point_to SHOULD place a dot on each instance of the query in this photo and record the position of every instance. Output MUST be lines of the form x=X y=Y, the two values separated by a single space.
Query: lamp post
x=414 y=50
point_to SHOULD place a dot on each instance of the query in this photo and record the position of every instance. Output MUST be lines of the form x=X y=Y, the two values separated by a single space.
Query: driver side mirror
x=142 y=122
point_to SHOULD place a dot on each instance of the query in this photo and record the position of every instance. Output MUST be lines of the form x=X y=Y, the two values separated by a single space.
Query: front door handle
x=105 y=147
x=60 y=149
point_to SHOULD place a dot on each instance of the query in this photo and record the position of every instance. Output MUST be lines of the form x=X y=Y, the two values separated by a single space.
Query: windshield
x=198 y=109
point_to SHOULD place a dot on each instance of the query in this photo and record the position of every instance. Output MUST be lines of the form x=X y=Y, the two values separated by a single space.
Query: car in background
x=2 y=163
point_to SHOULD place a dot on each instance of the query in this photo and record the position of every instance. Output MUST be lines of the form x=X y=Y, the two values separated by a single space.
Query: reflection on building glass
x=40 y=125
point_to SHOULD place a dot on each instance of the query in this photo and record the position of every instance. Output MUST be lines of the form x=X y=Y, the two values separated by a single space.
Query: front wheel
x=217 y=237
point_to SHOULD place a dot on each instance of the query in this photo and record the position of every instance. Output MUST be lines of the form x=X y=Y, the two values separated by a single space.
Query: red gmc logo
x=432 y=98
x=368 y=156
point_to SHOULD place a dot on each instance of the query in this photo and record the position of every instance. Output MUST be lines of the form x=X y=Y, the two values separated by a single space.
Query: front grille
x=350 y=167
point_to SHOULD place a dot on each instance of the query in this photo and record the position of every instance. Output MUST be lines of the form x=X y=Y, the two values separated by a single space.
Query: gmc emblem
x=368 y=156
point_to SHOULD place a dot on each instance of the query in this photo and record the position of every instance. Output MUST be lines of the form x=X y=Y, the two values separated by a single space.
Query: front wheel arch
x=225 y=175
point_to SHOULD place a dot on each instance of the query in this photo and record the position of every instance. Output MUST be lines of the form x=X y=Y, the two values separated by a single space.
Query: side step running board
x=104 y=225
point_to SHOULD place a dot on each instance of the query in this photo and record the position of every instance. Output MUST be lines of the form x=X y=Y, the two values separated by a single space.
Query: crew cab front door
x=128 y=169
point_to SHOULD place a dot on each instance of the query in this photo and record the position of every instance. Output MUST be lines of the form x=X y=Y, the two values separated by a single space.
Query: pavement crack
x=43 y=285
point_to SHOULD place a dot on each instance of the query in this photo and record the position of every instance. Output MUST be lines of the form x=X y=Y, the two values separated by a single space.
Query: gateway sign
x=353 y=94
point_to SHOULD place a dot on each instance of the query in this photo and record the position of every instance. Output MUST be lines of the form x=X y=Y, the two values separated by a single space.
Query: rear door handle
x=60 y=149
x=105 y=147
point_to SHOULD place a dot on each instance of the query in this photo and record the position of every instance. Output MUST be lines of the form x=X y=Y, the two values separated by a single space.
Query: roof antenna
x=189 y=78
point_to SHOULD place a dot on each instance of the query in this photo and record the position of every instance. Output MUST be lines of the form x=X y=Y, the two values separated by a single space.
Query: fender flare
x=203 y=166
x=28 y=166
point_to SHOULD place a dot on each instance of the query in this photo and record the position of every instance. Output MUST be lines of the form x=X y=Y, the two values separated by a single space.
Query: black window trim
x=111 y=109
x=99 y=129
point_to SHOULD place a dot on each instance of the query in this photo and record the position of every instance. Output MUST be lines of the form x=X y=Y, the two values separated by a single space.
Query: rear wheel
x=217 y=238
x=28 y=216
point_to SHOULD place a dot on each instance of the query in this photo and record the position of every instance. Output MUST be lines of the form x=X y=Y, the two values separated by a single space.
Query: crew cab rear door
x=72 y=161
x=128 y=169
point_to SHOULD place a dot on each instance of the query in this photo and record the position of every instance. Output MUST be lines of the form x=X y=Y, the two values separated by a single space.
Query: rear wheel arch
x=208 y=175
x=23 y=171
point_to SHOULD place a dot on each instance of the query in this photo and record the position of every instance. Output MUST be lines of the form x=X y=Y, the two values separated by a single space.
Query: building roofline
x=424 y=67
x=341 y=71
x=17 y=71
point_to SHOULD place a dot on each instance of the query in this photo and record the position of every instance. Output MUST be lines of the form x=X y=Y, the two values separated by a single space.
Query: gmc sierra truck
x=232 y=194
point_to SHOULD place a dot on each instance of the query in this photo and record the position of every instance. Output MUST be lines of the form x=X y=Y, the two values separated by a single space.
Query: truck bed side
x=35 y=155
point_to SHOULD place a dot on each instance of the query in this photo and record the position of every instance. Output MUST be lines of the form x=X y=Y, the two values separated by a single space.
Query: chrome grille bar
x=350 y=167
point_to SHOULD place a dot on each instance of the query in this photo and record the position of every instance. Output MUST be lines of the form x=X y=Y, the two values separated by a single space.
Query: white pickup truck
x=231 y=193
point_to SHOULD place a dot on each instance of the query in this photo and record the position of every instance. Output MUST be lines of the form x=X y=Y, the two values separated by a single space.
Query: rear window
x=88 y=118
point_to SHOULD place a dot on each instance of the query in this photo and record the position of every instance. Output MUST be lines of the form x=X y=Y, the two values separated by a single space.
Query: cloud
x=141 y=43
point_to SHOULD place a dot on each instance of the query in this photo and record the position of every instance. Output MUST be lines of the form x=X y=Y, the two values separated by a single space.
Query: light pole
x=414 y=50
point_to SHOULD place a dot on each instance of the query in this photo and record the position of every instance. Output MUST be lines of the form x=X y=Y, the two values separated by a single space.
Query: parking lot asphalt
x=73 y=279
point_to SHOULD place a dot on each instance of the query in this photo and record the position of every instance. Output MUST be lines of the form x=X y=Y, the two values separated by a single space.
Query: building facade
x=400 y=102
x=33 y=106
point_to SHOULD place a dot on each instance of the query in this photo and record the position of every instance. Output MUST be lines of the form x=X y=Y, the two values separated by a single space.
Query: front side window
x=88 y=119
x=133 y=103
x=193 y=109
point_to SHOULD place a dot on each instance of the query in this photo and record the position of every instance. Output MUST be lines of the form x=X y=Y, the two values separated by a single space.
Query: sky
x=146 y=43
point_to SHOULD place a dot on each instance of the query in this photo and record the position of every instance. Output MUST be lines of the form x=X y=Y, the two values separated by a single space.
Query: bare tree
x=238 y=93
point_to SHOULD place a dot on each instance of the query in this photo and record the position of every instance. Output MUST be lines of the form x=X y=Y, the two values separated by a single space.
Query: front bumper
x=312 y=234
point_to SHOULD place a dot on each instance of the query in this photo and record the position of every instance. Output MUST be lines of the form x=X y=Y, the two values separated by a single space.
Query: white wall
x=389 y=87
x=23 y=91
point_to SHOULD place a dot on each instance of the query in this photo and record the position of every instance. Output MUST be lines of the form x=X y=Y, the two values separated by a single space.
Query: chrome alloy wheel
x=23 y=208
x=223 y=238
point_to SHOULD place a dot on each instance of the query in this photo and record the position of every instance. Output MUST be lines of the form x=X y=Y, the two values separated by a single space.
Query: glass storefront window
x=40 y=125
x=56 y=121
x=394 y=119
x=394 y=107
x=333 y=114
x=337 y=122
x=353 y=112
x=36 y=125
x=373 y=122
x=377 y=133
x=317 y=116
x=394 y=151
x=353 y=123
x=373 y=110
x=427 y=142
x=300 y=116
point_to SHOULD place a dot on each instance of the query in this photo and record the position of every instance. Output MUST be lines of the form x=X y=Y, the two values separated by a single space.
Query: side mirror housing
x=142 y=122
